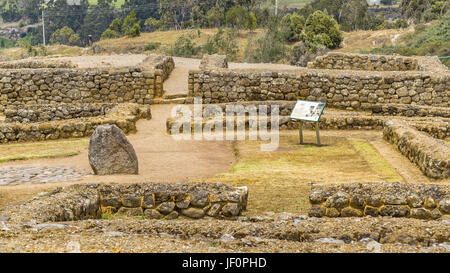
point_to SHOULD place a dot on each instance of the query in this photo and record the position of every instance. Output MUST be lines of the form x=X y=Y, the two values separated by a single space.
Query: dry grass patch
x=47 y=149
x=280 y=181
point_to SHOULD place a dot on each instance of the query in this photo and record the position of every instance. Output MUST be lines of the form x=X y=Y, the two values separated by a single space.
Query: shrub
x=325 y=27
x=65 y=36
x=222 y=42
x=292 y=26
x=152 y=46
x=184 y=47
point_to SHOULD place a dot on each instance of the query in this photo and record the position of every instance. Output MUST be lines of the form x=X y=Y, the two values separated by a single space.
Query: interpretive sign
x=308 y=111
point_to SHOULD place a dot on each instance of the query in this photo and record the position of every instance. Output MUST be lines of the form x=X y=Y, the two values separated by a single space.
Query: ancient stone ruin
x=110 y=152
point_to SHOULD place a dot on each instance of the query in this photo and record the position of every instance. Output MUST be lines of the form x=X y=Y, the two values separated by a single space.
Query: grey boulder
x=110 y=152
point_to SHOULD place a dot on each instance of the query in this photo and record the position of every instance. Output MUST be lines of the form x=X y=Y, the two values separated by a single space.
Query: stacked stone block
x=421 y=201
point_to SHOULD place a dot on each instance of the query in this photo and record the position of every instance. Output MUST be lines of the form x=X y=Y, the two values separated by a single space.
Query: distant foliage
x=424 y=10
x=184 y=47
x=268 y=49
x=131 y=27
x=65 y=36
x=223 y=42
x=426 y=40
x=320 y=28
x=292 y=26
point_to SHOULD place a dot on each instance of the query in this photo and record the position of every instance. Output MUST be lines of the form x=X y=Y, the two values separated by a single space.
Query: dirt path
x=161 y=158
x=177 y=83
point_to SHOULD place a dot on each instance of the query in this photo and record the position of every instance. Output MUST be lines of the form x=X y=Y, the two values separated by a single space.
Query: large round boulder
x=110 y=152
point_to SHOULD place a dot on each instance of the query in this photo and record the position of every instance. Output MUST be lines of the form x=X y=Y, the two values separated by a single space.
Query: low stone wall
x=422 y=201
x=150 y=200
x=162 y=66
x=351 y=90
x=429 y=154
x=330 y=120
x=33 y=63
x=43 y=113
x=352 y=61
x=213 y=61
x=408 y=110
x=124 y=116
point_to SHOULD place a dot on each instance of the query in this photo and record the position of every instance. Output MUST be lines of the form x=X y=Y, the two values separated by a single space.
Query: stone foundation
x=347 y=61
x=124 y=116
x=37 y=63
x=429 y=154
x=44 y=113
x=408 y=110
x=149 y=200
x=214 y=61
x=422 y=201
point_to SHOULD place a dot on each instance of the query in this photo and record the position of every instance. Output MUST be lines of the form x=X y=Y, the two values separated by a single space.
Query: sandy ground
x=161 y=158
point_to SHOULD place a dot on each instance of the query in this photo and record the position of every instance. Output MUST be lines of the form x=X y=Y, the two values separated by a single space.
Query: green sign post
x=308 y=111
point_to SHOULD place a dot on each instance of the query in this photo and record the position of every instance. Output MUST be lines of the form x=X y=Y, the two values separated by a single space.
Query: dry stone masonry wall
x=408 y=110
x=139 y=84
x=422 y=201
x=33 y=63
x=350 y=90
x=214 y=61
x=43 y=113
x=150 y=200
x=346 y=61
x=429 y=154
x=124 y=116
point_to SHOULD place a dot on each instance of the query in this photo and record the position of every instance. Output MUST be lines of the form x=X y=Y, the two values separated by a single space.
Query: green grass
x=279 y=181
x=47 y=149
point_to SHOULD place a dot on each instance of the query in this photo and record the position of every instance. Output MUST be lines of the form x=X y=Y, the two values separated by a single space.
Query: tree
x=251 y=22
x=268 y=49
x=114 y=30
x=143 y=9
x=215 y=16
x=326 y=29
x=97 y=20
x=130 y=27
x=65 y=36
x=237 y=17
x=152 y=24
x=292 y=26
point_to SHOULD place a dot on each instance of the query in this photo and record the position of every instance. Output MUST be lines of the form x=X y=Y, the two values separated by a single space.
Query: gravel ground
x=267 y=233
x=16 y=175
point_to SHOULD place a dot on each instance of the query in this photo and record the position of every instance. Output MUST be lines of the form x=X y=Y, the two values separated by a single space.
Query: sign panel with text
x=308 y=110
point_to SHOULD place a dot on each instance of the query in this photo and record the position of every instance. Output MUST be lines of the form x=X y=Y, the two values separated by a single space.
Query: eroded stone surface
x=40 y=174
x=110 y=152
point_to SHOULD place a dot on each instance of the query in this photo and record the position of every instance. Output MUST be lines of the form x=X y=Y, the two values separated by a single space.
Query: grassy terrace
x=47 y=149
x=280 y=181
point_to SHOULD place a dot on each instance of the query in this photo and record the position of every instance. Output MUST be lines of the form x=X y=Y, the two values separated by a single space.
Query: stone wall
x=213 y=61
x=137 y=84
x=429 y=154
x=124 y=116
x=408 y=110
x=422 y=201
x=162 y=67
x=331 y=119
x=36 y=63
x=49 y=112
x=350 y=90
x=45 y=86
x=349 y=61
x=150 y=200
